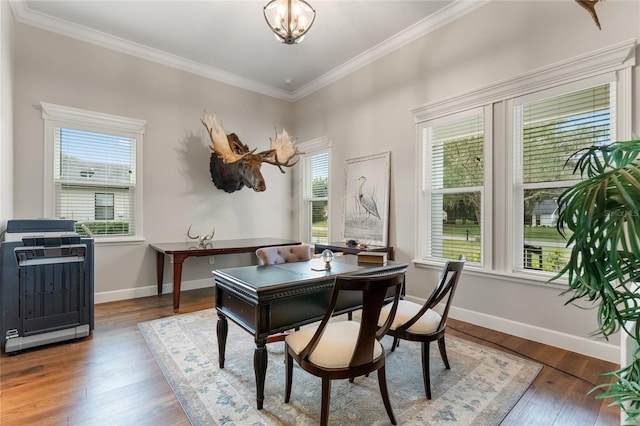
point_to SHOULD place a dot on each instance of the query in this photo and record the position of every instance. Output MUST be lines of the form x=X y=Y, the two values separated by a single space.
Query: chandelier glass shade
x=289 y=20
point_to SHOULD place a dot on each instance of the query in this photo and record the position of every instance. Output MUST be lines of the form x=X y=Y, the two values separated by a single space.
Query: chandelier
x=289 y=20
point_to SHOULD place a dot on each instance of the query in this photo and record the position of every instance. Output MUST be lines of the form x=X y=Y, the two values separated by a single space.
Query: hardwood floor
x=111 y=378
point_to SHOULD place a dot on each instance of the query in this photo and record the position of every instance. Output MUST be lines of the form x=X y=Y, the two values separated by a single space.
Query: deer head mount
x=233 y=166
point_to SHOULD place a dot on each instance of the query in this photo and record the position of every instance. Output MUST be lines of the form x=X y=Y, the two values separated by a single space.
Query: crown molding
x=421 y=28
x=24 y=15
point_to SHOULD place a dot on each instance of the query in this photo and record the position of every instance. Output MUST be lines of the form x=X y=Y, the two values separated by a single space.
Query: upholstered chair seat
x=336 y=346
x=427 y=323
x=283 y=254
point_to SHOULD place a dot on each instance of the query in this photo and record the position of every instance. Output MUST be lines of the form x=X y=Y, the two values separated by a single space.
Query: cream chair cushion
x=428 y=323
x=283 y=254
x=336 y=346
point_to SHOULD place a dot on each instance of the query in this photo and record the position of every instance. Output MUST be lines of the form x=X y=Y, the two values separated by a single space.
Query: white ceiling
x=229 y=41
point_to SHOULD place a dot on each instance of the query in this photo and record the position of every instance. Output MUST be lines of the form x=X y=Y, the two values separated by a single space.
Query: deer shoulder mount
x=233 y=166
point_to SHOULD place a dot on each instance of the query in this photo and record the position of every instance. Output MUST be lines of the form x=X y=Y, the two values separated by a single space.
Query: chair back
x=444 y=291
x=374 y=290
x=283 y=254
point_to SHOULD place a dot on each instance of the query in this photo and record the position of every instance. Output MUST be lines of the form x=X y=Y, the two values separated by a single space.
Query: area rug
x=481 y=387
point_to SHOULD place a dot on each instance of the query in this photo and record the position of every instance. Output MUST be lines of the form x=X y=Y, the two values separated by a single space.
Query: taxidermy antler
x=590 y=6
x=234 y=166
x=202 y=239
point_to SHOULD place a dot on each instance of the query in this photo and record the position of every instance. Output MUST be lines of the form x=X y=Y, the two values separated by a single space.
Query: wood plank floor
x=111 y=378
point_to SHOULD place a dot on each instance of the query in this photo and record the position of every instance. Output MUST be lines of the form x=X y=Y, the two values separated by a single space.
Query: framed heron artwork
x=366 y=199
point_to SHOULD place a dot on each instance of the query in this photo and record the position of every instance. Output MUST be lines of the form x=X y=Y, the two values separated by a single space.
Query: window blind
x=316 y=195
x=94 y=180
x=548 y=133
x=453 y=178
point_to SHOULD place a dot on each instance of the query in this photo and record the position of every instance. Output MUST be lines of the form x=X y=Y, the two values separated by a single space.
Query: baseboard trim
x=582 y=345
x=134 y=293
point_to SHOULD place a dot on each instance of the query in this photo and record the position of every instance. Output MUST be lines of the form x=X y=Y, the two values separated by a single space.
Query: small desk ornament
x=327 y=256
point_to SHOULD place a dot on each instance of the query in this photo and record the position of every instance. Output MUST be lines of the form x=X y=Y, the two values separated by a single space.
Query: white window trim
x=424 y=209
x=311 y=148
x=514 y=199
x=618 y=58
x=63 y=116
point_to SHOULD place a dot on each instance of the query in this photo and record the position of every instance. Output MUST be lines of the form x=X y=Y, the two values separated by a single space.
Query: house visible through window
x=94 y=161
x=549 y=129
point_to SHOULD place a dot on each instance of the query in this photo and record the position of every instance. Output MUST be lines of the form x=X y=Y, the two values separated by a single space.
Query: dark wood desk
x=344 y=248
x=266 y=300
x=178 y=252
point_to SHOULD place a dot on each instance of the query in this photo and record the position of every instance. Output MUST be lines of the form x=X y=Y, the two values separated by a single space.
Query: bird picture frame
x=366 y=199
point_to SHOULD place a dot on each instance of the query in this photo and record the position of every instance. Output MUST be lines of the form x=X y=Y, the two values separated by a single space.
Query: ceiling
x=229 y=41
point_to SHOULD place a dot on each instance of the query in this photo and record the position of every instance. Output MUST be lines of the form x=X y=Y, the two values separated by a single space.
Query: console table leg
x=260 y=368
x=177 y=279
x=160 y=270
x=221 y=330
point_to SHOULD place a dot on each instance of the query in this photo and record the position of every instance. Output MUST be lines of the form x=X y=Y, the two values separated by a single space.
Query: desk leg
x=176 y=263
x=160 y=270
x=221 y=330
x=260 y=368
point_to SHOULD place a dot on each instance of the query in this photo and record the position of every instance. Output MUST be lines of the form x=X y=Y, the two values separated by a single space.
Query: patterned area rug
x=480 y=388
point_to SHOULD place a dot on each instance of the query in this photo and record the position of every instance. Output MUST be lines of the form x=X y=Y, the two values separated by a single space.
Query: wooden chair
x=346 y=349
x=421 y=323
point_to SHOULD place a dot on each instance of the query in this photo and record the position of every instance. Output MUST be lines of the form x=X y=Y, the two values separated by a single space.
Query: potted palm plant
x=603 y=214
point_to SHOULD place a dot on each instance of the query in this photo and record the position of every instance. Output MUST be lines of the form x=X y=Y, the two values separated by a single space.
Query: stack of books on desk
x=375 y=257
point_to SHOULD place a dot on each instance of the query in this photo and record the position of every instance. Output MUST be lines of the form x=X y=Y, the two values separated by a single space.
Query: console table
x=343 y=247
x=178 y=252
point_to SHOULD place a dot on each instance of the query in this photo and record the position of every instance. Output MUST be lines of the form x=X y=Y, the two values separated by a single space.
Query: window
x=104 y=206
x=93 y=161
x=314 y=211
x=524 y=130
x=549 y=127
x=453 y=169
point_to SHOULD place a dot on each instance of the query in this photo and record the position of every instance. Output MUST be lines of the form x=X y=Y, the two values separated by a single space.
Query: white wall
x=365 y=113
x=177 y=190
x=6 y=113
x=369 y=112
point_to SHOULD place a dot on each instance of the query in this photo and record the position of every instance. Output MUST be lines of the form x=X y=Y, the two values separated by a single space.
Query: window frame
x=517 y=187
x=424 y=217
x=619 y=58
x=59 y=116
x=310 y=149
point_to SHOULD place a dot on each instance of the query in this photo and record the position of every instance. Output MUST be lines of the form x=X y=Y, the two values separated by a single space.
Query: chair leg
x=288 y=360
x=326 y=394
x=382 y=380
x=425 y=369
x=443 y=352
x=394 y=345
